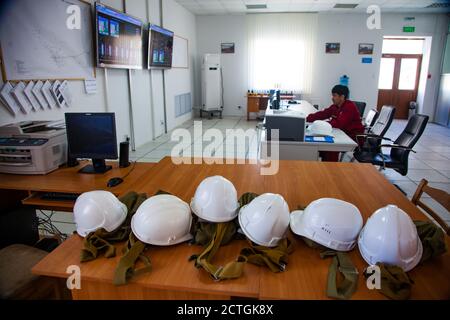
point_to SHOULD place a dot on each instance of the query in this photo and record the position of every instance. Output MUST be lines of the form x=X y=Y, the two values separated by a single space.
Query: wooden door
x=399 y=81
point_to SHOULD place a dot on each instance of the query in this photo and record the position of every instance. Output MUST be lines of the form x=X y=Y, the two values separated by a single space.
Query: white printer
x=32 y=147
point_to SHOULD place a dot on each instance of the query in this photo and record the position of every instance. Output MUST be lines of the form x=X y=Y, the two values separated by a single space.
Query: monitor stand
x=98 y=166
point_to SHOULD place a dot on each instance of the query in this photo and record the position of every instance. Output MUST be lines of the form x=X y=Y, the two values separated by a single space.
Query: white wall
x=113 y=94
x=180 y=81
x=211 y=32
x=349 y=30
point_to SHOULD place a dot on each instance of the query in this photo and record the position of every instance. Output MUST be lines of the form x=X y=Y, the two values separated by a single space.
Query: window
x=281 y=51
x=408 y=74
x=386 y=73
x=403 y=46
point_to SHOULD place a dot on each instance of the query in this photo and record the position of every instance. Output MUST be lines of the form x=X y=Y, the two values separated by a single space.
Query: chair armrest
x=396 y=146
x=366 y=135
x=370 y=135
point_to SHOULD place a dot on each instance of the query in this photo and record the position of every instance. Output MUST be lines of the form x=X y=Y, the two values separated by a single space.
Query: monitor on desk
x=275 y=100
x=92 y=135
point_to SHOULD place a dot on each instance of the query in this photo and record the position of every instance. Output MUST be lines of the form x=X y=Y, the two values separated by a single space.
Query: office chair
x=361 y=107
x=368 y=143
x=400 y=149
x=440 y=196
x=370 y=119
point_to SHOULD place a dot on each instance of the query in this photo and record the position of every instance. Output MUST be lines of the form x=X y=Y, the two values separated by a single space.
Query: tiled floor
x=432 y=160
x=162 y=146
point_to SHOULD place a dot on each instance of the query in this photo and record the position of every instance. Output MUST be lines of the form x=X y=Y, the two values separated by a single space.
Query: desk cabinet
x=255 y=104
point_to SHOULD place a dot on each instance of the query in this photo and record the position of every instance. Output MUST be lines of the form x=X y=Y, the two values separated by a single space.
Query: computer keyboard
x=57 y=196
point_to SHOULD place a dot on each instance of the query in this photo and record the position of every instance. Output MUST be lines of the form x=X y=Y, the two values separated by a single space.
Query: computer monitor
x=275 y=100
x=92 y=135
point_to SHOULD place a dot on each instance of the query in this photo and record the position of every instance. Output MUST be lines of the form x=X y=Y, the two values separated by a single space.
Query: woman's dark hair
x=340 y=90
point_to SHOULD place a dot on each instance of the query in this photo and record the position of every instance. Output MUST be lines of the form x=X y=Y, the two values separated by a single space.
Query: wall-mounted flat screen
x=119 y=39
x=160 y=47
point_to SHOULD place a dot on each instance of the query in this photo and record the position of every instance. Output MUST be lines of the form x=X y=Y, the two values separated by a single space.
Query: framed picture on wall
x=227 y=47
x=332 y=47
x=365 y=48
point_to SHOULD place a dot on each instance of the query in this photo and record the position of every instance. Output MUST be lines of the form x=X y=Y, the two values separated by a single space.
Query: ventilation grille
x=345 y=5
x=256 y=6
x=183 y=104
x=439 y=5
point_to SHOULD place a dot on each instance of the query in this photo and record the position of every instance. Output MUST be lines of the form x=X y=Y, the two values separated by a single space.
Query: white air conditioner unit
x=211 y=83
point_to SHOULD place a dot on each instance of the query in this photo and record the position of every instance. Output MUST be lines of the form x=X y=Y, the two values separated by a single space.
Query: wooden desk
x=255 y=103
x=68 y=180
x=309 y=151
x=305 y=277
x=295 y=150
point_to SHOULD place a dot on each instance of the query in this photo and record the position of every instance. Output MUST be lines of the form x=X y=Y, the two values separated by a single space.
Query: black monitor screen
x=119 y=39
x=160 y=47
x=91 y=135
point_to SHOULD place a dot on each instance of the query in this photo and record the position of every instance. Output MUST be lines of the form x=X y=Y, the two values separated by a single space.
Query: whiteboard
x=37 y=44
x=180 y=53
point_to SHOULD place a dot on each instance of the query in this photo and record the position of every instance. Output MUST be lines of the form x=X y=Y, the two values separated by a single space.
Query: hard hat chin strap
x=232 y=269
x=395 y=283
x=132 y=251
x=432 y=238
x=342 y=264
x=274 y=258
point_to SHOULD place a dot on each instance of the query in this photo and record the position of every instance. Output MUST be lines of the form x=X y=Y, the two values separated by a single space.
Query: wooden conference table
x=300 y=182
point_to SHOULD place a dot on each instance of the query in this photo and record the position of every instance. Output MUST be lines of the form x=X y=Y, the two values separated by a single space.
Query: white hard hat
x=215 y=200
x=162 y=220
x=265 y=220
x=98 y=209
x=320 y=128
x=332 y=223
x=390 y=236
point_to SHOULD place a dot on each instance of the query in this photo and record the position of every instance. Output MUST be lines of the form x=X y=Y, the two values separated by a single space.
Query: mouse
x=114 y=182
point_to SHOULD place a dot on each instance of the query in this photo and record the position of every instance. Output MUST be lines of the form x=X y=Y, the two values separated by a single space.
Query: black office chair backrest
x=371 y=117
x=384 y=121
x=409 y=137
x=361 y=107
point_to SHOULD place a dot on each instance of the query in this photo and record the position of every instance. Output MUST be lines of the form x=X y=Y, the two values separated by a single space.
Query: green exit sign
x=409 y=29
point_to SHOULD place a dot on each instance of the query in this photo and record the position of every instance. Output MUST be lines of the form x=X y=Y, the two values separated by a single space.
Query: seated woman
x=342 y=114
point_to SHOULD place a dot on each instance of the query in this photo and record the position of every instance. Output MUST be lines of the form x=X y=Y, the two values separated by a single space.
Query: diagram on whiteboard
x=37 y=44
